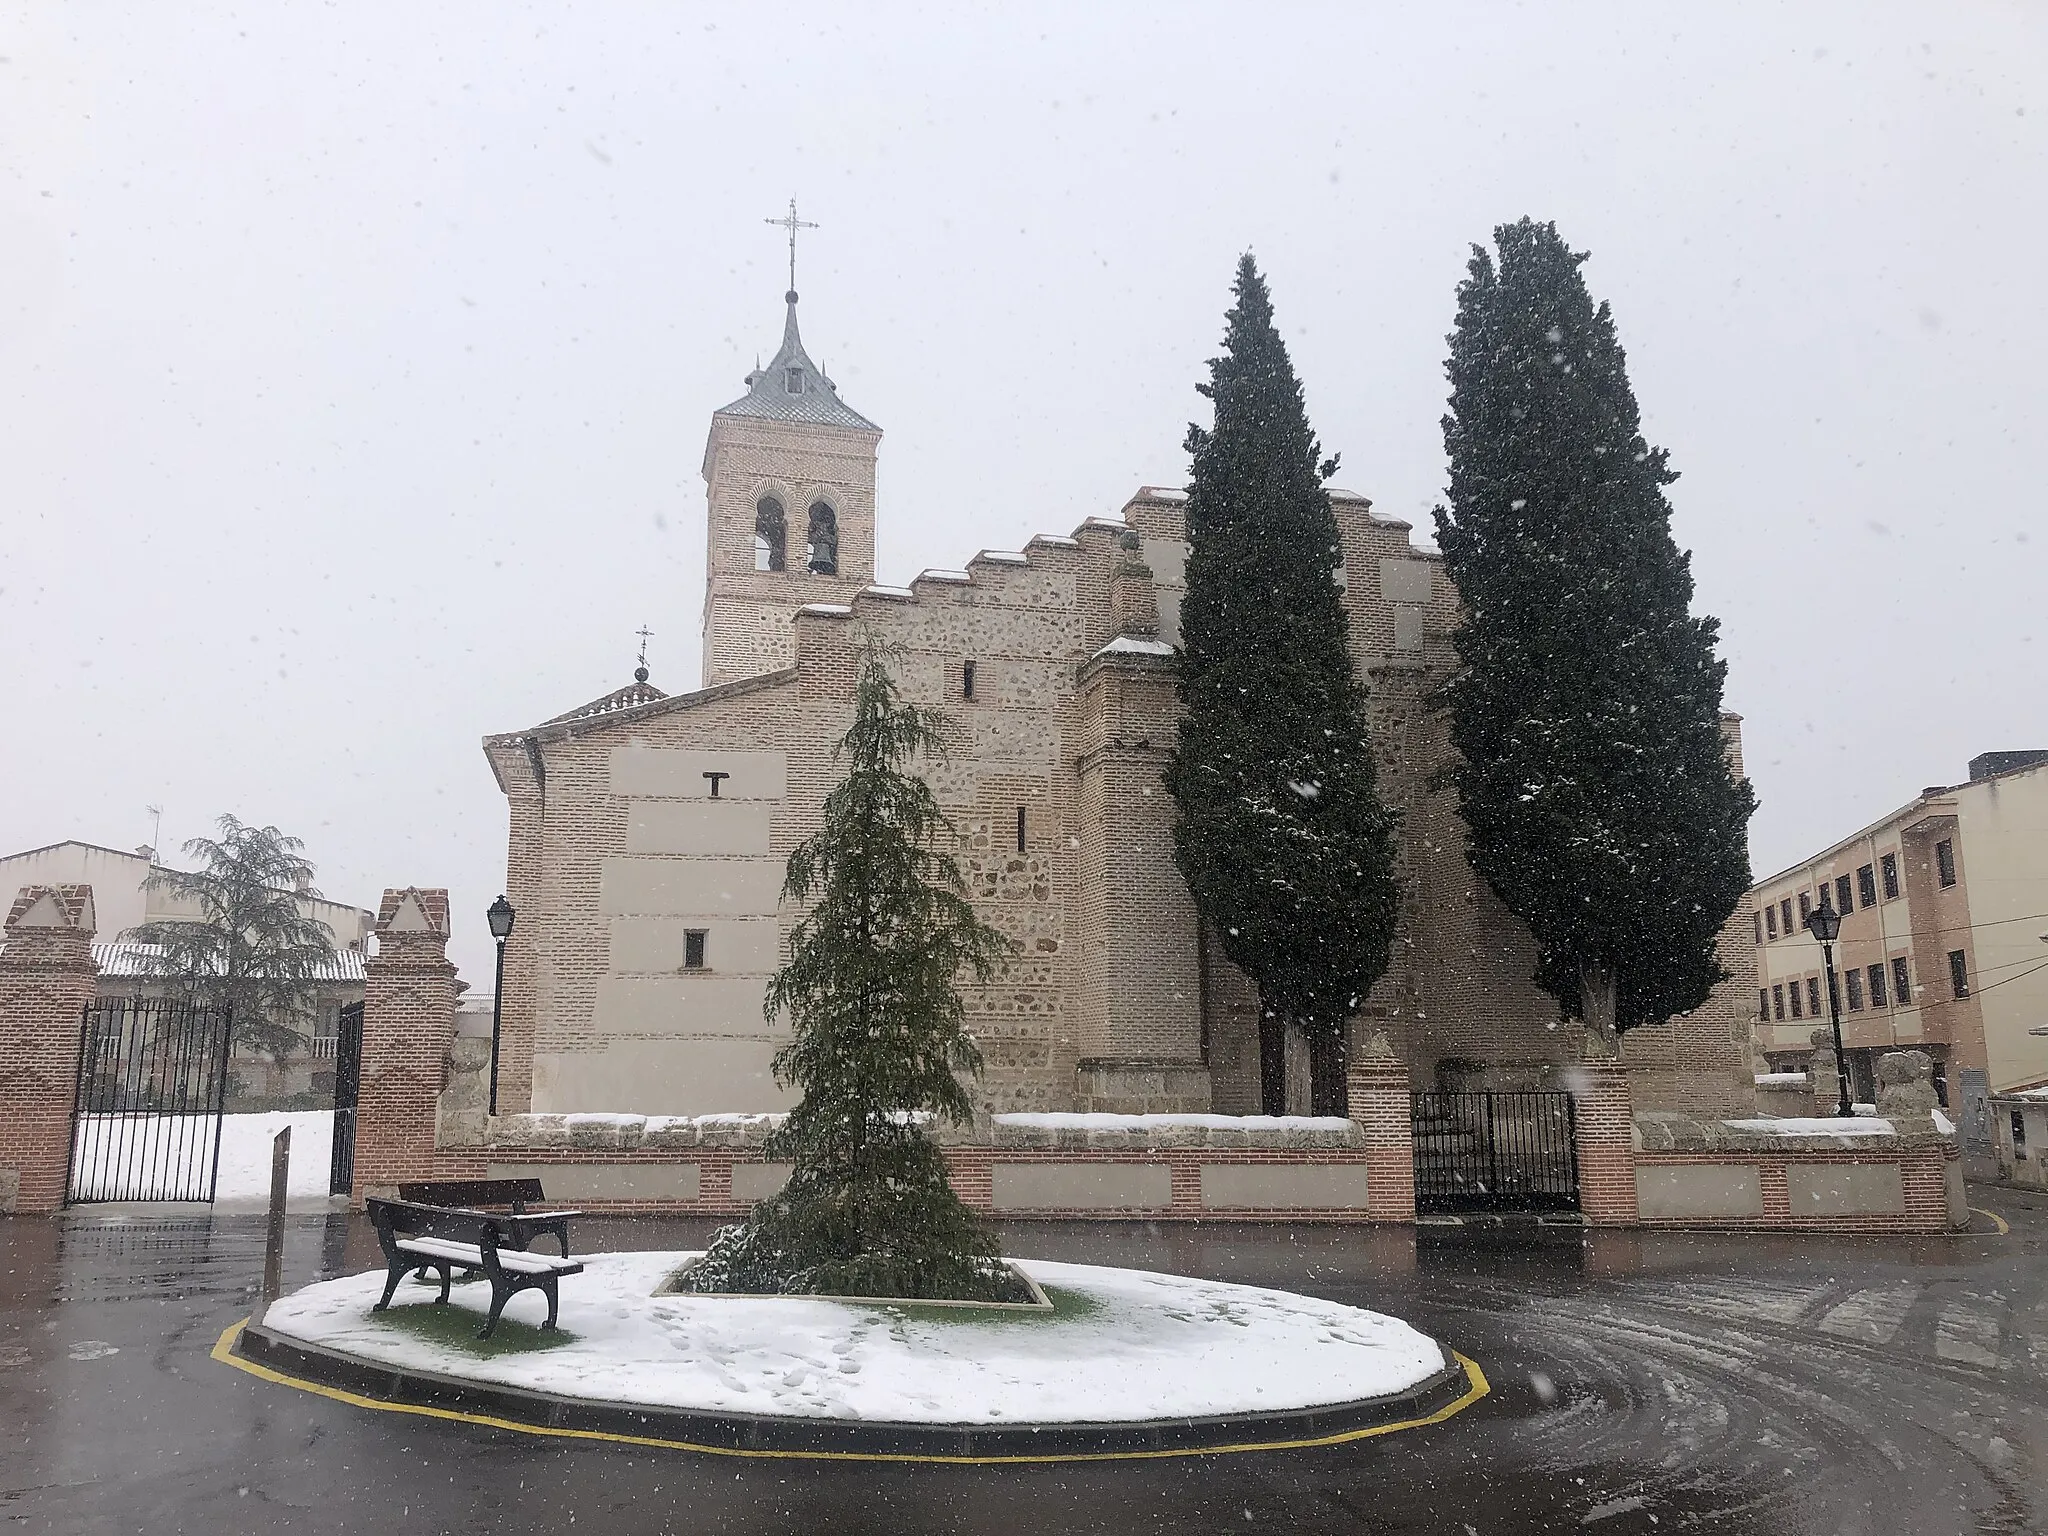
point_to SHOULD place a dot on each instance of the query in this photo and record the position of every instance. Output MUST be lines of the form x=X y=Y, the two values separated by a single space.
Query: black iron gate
x=152 y=1081
x=1495 y=1152
x=348 y=1073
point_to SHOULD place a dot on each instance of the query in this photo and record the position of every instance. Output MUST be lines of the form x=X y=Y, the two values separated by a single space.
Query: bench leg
x=554 y=1300
x=498 y=1300
x=392 y=1277
x=447 y=1274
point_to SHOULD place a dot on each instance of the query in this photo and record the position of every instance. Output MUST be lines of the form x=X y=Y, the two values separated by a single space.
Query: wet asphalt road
x=1641 y=1384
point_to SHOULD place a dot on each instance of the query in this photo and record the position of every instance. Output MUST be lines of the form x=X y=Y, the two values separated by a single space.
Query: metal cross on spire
x=791 y=223
x=640 y=671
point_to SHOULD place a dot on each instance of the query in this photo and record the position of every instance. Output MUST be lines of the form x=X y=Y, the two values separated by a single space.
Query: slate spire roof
x=793 y=388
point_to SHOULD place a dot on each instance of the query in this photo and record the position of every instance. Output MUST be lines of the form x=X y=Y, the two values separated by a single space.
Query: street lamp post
x=1825 y=924
x=500 y=915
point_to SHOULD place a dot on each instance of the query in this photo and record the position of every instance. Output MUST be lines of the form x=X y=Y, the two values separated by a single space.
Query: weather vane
x=792 y=223
x=640 y=671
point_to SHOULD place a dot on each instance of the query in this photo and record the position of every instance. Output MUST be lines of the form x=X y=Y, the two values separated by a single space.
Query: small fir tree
x=1598 y=795
x=880 y=1046
x=1281 y=834
x=250 y=946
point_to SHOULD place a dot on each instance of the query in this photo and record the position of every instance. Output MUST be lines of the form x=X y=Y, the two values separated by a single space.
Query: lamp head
x=499 y=916
x=1824 y=923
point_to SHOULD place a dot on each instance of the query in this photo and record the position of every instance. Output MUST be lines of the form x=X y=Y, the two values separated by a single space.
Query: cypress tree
x=1281 y=835
x=1599 y=799
x=880 y=1046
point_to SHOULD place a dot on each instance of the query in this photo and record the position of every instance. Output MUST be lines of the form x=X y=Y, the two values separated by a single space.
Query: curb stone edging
x=1460 y=1384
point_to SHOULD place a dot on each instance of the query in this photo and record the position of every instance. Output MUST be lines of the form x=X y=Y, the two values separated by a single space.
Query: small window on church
x=793 y=380
x=1020 y=829
x=693 y=949
x=966 y=679
x=822 y=548
x=771 y=534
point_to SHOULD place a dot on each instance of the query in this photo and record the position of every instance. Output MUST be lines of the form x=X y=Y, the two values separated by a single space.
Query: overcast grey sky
x=356 y=361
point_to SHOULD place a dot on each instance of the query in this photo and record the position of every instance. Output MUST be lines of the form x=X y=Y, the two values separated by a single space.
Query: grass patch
x=1067 y=1307
x=454 y=1328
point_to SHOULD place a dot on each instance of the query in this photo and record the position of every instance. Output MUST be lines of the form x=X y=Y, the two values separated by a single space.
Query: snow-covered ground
x=1125 y=1346
x=111 y=1145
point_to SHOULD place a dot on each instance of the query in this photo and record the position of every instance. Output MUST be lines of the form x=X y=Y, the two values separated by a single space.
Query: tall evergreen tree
x=1601 y=805
x=880 y=1044
x=250 y=946
x=1281 y=834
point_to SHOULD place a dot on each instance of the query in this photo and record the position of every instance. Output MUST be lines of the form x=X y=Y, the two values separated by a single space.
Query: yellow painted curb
x=1476 y=1387
x=2004 y=1226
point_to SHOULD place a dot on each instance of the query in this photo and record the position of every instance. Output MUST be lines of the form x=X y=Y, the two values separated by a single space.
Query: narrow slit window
x=1771 y=920
x=1902 y=981
x=966 y=679
x=821 y=548
x=1945 y=862
x=1813 y=995
x=1020 y=829
x=1877 y=987
x=1778 y=1003
x=771 y=535
x=1763 y=1004
x=1866 y=886
x=1890 y=865
x=693 y=949
x=1959 y=973
x=1798 y=1010
x=1854 y=978
x=1842 y=903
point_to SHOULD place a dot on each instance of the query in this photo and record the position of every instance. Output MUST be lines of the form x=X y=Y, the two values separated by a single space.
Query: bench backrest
x=471 y=1192
x=403 y=1219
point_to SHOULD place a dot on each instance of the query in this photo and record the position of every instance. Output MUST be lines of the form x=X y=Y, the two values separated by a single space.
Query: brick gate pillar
x=47 y=977
x=1377 y=1081
x=1606 y=1144
x=408 y=1019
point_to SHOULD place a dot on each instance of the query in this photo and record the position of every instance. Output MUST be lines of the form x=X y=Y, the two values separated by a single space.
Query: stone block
x=1080 y=1186
x=1282 y=1186
x=607 y=1181
x=1846 y=1189
x=757 y=1181
x=1699 y=1190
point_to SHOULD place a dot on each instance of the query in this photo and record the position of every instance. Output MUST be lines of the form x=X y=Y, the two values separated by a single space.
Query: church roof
x=793 y=388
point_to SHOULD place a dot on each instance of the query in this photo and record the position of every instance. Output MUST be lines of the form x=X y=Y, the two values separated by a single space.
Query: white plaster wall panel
x=1169 y=614
x=1408 y=629
x=1168 y=559
x=681 y=1005
x=732 y=947
x=607 y=1181
x=757 y=1181
x=1263 y=1186
x=1080 y=1186
x=634 y=886
x=1846 y=1189
x=1699 y=1190
x=1405 y=581
x=660 y=1077
x=698 y=827
x=640 y=770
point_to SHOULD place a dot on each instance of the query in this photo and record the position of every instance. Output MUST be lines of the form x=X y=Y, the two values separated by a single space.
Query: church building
x=649 y=830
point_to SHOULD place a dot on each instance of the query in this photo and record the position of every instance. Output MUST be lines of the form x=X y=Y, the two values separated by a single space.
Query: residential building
x=1944 y=937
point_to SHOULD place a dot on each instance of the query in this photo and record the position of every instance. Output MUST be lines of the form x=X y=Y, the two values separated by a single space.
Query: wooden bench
x=518 y=1228
x=424 y=1237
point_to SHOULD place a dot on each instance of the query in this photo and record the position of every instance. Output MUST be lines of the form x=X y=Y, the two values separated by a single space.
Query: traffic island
x=1117 y=1363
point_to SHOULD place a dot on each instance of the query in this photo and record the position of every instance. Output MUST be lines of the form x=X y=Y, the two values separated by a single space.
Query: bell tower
x=789 y=471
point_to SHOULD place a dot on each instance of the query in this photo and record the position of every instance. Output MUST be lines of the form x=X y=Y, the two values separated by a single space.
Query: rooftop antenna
x=156 y=832
x=791 y=223
x=640 y=671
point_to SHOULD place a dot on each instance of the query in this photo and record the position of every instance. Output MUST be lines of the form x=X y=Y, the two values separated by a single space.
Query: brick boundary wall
x=971 y=1170
x=1923 y=1172
x=47 y=979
